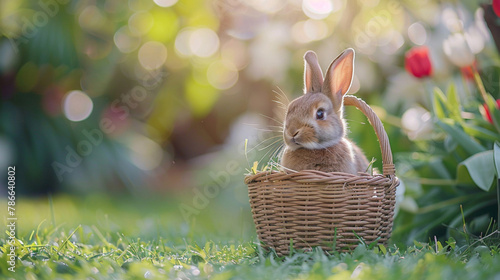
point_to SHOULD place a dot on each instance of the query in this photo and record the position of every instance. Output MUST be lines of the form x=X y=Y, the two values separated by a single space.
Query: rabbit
x=314 y=130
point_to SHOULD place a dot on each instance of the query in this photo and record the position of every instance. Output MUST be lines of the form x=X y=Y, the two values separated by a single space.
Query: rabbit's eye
x=320 y=114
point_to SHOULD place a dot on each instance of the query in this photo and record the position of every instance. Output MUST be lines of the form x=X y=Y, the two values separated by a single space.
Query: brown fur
x=321 y=144
x=337 y=158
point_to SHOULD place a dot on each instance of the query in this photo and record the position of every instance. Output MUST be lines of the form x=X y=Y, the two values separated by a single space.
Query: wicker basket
x=313 y=208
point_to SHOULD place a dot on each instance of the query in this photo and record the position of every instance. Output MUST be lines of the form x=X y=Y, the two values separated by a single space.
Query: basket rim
x=316 y=176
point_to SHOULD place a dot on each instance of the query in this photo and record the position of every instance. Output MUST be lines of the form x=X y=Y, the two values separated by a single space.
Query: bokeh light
x=417 y=33
x=203 y=42
x=91 y=18
x=417 y=123
x=269 y=57
x=125 y=41
x=166 y=25
x=379 y=30
x=140 y=23
x=309 y=30
x=320 y=9
x=152 y=55
x=8 y=55
x=77 y=106
x=182 y=42
x=145 y=153
x=222 y=74
x=268 y=6
x=236 y=52
x=165 y=3
x=140 y=5
x=391 y=41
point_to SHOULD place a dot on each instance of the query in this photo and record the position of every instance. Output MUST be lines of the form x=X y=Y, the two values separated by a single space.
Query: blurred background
x=174 y=99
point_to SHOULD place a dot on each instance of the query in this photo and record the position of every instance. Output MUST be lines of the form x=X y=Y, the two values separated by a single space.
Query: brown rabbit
x=314 y=129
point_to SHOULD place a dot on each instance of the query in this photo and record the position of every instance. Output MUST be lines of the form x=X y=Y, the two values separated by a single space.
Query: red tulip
x=468 y=71
x=488 y=113
x=418 y=62
x=496 y=7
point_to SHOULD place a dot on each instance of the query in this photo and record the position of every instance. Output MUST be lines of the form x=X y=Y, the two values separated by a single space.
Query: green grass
x=103 y=237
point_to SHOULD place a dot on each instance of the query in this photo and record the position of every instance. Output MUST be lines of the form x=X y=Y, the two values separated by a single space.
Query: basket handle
x=385 y=147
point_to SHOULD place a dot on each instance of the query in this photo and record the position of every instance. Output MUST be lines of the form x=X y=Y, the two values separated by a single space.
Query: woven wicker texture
x=314 y=208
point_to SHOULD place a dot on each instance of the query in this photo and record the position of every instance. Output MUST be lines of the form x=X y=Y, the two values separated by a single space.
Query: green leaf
x=496 y=157
x=439 y=246
x=479 y=132
x=67 y=239
x=479 y=169
x=451 y=242
x=382 y=248
x=453 y=103
x=450 y=144
x=464 y=140
x=196 y=259
x=437 y=102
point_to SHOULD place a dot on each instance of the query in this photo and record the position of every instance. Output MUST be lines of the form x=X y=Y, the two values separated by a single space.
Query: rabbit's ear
x=313 y=76
x=339 y=78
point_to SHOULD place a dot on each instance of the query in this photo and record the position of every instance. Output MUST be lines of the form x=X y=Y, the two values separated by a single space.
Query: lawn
x=123 y=237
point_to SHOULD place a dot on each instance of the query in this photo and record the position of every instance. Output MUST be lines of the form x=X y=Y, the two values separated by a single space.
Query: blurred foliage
x=201 y=68
x=454 y=175
x=456 y=182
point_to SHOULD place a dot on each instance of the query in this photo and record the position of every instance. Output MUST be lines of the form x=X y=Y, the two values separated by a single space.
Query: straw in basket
x=332 y=210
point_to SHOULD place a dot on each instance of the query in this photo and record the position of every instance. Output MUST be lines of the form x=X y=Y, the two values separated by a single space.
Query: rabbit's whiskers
x=267 y=153
x=282 y=94
x=272 y=119
x=274 y=142
x=264 y=141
